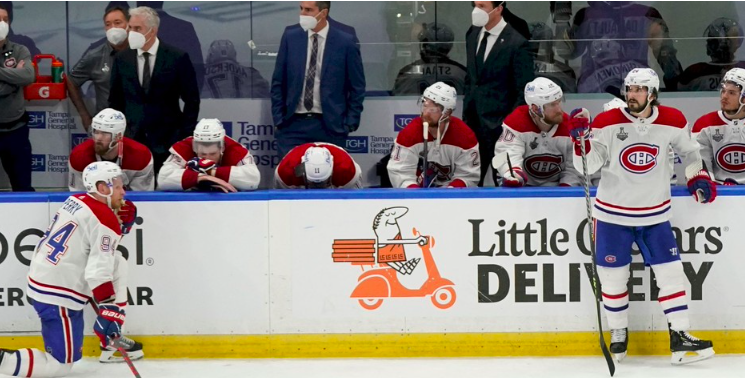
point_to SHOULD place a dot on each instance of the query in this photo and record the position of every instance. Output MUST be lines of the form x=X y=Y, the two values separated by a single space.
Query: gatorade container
x=58 y=70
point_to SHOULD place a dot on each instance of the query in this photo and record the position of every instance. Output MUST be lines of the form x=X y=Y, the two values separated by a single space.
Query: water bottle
x=58 y=71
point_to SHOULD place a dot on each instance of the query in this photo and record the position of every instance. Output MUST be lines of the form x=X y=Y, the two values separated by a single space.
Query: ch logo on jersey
x=732 y=157
x=543 y=166
x=639 y=157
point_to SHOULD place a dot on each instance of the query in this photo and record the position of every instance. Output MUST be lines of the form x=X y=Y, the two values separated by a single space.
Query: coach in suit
x=499 y=66
x=318 y=84
x=147 y=82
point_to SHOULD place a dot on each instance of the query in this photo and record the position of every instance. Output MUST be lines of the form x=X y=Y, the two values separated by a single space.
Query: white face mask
x=4 y=29
x=116 y=35
x=137 y=40
x=479 y=17
x=308 y=22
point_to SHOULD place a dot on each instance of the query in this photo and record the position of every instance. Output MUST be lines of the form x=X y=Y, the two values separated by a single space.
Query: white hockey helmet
x=542 y=91
x=318 y=166
x=643 y=77
x=735 y=75
x=615 y=103
x=110 y=121
x=441 y=94
x=221 y=50
x=101 y=171
x=209 y=130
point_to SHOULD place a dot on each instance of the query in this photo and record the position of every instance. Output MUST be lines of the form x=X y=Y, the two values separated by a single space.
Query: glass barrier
x=585 y=47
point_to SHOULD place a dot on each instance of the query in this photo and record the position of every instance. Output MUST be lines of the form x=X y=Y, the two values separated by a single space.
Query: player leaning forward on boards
x=629 y=147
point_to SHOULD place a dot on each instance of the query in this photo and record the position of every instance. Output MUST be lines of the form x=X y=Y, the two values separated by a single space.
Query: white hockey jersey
x=236 y=167
x=722 y=146
x=634 y=186
x=136 y=165
x=544 y=156
x=74 y=261
x=454 y=160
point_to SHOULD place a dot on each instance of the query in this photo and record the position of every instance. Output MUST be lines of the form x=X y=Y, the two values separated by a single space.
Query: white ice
x=720 y=366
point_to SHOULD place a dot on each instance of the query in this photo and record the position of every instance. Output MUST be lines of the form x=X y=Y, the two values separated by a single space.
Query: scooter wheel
x=370 y=303
x=443 y=297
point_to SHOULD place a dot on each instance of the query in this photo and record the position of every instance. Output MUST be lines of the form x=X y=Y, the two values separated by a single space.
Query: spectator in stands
x=546 y=65
x=435 y=42
x=723 y=37
x=96 y=63
x=16 y=72
x=147 y=82
x=610 y=49
x=226 y=78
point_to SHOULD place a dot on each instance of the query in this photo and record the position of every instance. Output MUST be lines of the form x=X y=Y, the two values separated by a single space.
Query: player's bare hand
x=21 y=64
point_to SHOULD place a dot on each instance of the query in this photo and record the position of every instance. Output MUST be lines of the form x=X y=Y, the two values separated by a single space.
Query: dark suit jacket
x=498 y=89
x=342 y=78
x=155 y=118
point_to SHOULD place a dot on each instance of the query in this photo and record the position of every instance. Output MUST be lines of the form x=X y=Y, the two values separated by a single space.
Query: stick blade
x=608 y=357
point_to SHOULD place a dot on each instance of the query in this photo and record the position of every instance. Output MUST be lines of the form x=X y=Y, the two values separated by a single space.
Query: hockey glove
x=109 y=323
x=201 y=165
x=702 y=188
x=515 y=179
x=127 y=214
x=579 y=127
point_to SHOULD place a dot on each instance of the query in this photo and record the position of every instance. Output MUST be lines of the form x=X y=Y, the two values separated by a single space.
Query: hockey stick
x=425 y=126
x=118 y=345
x=594 y=280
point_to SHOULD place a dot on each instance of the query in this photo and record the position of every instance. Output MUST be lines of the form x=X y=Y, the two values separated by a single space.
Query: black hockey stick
x=594 y=280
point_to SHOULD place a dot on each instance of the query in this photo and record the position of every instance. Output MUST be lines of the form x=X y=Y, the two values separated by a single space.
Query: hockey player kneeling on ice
x=209 y=161
x=629 y=146
x=318 y=166
x=75 y=263
x=435 y=149
x=536 y=140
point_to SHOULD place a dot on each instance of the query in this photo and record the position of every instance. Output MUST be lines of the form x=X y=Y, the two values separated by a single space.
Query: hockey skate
x=682 y=343
x=619 y=342
x=133 y=348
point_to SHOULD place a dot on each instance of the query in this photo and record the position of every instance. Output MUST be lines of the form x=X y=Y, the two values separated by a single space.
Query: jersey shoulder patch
x=670 y=117
x=82 y=155
x=136 y=156
x=706 y=120
x=102 y=212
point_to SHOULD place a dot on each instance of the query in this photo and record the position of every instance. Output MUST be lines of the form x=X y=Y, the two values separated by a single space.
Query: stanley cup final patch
x=10 y=62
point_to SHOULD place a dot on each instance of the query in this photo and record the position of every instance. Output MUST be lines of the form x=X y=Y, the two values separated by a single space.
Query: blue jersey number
x=57 y=243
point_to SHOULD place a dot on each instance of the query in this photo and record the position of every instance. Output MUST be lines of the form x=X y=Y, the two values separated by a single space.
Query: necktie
x=481 y=52
x=310 y=78
x=146 y=72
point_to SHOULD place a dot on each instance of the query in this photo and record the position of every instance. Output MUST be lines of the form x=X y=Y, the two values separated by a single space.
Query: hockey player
x=225 y=77
x=633 y=205
x=108 y=143
x=209 y=160
x=451 y=154
x=318 y=166
x=720 y=133
x=76 y=263
x=536 y=139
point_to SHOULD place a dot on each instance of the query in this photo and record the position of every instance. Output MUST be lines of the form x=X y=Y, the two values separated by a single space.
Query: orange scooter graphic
x=382 y=282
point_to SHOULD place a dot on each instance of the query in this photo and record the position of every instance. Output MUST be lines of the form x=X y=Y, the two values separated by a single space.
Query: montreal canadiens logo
x=543 y=166
x=10 y=62
x=639 y=157
x=732 y=157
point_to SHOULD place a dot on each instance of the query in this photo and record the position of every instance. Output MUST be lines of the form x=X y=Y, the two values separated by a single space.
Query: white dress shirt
x=493 y=35
x=141 y=60
x=322 y=35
